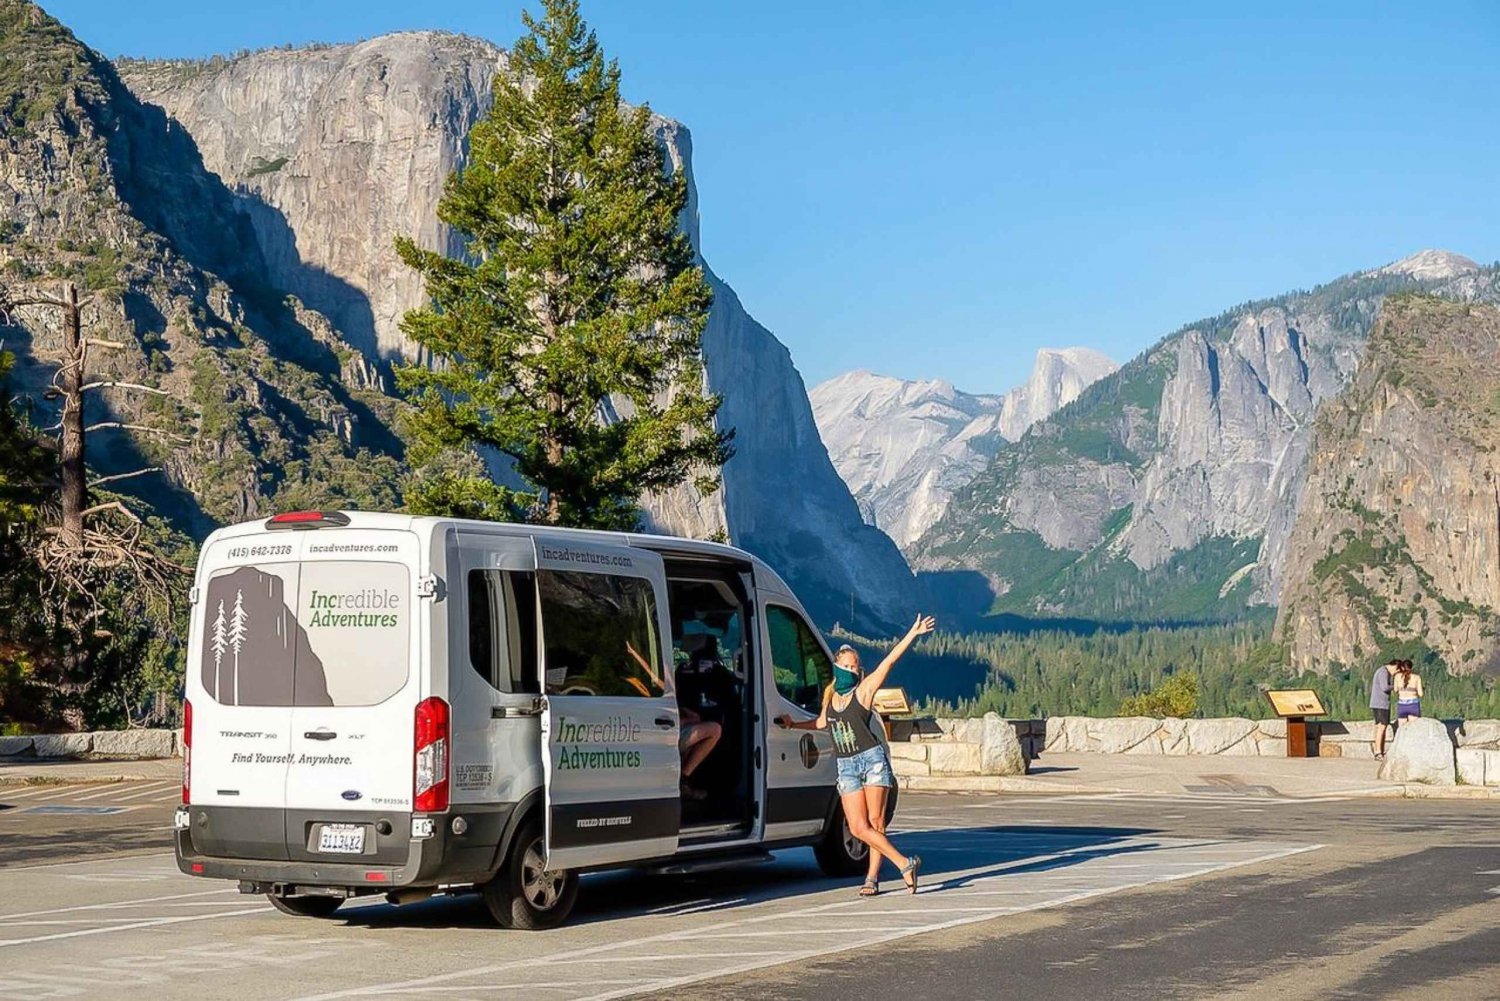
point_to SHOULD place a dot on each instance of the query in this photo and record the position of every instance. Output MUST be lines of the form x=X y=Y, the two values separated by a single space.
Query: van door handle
x=320 y=735
x=666 y=722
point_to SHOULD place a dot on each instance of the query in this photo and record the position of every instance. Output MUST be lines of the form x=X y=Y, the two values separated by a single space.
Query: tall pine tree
x=568 y=338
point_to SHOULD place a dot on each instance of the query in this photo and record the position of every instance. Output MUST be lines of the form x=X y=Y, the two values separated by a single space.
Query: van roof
x=425 y=525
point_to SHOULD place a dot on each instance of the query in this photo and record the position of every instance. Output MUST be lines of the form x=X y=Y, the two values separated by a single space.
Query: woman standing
x=865 y=775
x=1408 y=685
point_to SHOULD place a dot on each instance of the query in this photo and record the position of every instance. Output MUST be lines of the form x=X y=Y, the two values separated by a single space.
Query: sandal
x=913 y=866
x=870 y=889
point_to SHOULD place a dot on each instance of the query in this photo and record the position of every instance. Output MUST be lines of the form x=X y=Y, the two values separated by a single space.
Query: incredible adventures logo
x=369 y=608
x=615 y=730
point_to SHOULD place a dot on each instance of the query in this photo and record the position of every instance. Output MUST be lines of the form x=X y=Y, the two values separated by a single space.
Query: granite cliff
x=904 y=447
x=1396 y=543
x=1167 y=490
x=265 y=404
x=332 y=151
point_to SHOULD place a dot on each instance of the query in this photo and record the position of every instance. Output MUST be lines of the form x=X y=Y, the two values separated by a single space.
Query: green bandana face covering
x=844 y=680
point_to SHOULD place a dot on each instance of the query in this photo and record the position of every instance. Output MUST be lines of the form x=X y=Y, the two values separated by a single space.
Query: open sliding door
x=609 y=721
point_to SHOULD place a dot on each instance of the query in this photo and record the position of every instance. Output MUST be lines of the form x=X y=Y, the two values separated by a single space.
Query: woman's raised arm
x=875 y=680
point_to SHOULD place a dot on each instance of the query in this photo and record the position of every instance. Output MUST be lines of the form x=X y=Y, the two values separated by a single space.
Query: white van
x=386 y=704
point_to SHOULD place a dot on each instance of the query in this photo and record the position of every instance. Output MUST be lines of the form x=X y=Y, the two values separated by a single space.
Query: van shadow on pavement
x=949 y=856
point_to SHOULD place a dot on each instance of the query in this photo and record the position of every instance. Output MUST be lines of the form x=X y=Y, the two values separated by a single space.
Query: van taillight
x=430 y=778
x=187 y=750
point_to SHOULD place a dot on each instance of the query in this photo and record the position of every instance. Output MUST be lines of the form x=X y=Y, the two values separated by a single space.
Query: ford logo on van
x=351 y=794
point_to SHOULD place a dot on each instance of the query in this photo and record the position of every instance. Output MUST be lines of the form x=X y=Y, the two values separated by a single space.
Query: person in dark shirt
x=1380 y=704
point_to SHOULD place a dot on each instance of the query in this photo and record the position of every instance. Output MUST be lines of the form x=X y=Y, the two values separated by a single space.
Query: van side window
x=801 y=667
x=601 y=635
x=502 y=629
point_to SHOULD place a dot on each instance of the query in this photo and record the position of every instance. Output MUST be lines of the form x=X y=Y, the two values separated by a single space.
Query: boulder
x=1471 y=763
x=133 y=743
x=64 y=745
x=11 y=746
x=1422 y=752
x=999 y=748
x=954 y=758
x=1216 y=736
x=1483 y=733
x=1122 y=734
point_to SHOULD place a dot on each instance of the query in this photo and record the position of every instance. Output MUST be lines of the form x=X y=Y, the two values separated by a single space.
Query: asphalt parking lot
x=1232 y=894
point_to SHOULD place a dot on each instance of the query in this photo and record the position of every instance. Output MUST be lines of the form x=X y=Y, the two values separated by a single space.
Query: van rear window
x=333 y=633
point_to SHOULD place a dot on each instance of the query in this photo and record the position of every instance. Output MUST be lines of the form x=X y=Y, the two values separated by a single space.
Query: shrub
x=1177 y=696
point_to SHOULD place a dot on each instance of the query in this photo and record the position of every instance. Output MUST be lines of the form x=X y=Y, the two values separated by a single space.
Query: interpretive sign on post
x=1294 y=705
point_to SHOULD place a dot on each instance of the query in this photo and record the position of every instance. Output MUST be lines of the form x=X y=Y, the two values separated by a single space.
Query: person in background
x=1408 y=685
x=1380 y=704
x=865 y=776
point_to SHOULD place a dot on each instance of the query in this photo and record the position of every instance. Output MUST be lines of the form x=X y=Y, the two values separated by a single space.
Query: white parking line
x=119 y=903
x=167 y=790
x=108 y=791
x=147 y=923
x=71 y=790
x=91 y=861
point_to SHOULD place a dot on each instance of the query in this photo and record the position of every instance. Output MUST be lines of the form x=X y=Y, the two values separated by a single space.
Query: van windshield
x=332 y=633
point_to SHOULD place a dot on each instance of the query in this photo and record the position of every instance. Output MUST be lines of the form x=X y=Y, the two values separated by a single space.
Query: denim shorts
x=867 y=768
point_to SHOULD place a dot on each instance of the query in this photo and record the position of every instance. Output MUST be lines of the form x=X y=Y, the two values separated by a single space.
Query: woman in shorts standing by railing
x=1408 y=691
x=865 y=775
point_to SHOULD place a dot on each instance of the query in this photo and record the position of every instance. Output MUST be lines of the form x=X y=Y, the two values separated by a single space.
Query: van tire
x=306 y=905
x=522 y=895
x=840 y=853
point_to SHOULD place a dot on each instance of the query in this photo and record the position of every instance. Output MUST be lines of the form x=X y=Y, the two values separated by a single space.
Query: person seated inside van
x=696 y=742
x=697 y=683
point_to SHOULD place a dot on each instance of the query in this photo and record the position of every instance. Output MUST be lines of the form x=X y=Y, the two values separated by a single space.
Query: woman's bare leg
x=701 y=740
x=858 y=816
x=875 y=797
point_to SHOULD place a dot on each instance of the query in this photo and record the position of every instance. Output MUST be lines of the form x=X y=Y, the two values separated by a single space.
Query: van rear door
x=241 y=684
x=609 y=722
x=353 y=718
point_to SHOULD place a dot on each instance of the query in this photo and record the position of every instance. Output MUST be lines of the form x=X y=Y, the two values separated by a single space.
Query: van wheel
x=306 y=906
x=525 y=894
x=840 y=853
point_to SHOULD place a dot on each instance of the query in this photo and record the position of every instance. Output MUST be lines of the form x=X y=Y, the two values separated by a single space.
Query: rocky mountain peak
x=904 y=445
x=1431 y=265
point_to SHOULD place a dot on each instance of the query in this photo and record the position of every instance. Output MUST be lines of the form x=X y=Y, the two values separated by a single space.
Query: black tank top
x=851 y=729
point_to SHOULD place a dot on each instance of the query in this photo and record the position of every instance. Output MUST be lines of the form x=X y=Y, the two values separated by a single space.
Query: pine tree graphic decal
x=237 y=621
x=218 y=643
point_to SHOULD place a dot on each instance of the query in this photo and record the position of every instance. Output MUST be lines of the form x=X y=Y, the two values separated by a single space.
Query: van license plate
x=344 y=839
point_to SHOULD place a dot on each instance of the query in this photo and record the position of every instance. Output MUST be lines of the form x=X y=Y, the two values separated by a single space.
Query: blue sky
x=938 y=190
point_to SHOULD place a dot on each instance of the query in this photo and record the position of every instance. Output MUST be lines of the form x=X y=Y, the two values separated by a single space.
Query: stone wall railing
x=1230 y=735
x=99 y=744
x=937 y=754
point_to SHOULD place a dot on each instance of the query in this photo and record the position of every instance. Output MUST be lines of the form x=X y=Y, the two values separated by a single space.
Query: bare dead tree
x=90 y=543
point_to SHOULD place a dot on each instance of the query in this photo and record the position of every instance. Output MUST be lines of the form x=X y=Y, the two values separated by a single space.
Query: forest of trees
x=1050 y=672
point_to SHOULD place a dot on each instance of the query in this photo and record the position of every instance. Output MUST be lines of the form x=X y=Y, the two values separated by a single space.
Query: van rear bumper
x=444 y=857
x=423 y=865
